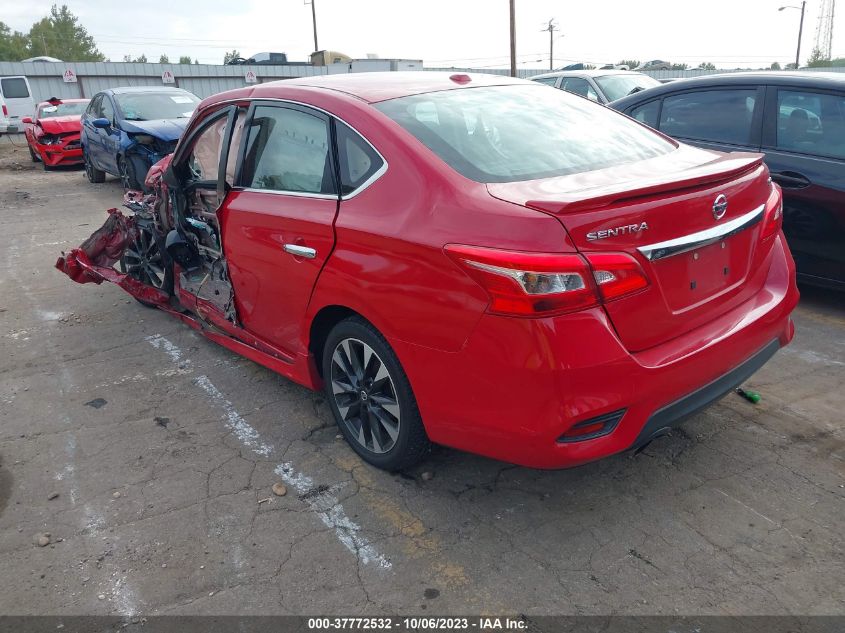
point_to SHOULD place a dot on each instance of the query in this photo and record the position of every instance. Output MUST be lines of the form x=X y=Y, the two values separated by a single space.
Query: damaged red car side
x=53 y=134
x=474 y=261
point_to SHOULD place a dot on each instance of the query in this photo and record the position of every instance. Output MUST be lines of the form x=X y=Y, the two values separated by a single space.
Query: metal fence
x=48 y=79
x=527 y=73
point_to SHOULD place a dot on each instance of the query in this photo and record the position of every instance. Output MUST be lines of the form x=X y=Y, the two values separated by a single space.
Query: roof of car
x=373 y=87
x=586 y=73
x=770 y=77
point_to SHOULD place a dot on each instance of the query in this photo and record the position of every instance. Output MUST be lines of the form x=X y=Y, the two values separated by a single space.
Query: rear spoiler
x=723 y=169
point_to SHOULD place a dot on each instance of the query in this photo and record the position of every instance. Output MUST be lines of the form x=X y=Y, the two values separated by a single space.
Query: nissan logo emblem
x=720 y=206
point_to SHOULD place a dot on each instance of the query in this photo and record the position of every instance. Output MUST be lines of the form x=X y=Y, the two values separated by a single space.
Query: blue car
x=127 y=130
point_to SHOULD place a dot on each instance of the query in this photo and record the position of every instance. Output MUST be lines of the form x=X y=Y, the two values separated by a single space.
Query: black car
x=797 y=120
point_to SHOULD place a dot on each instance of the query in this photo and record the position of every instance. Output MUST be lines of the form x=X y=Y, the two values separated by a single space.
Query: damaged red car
x=467 y=260
x=53 y=134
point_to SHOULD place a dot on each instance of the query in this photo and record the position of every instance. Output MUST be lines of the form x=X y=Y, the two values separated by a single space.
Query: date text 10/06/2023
x=425 y=623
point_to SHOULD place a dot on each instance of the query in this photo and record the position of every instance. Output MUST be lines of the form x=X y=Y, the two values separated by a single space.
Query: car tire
x=373 y=404
x=94 y=175
x=145 y=260
x=32 y=154
x=126 y=173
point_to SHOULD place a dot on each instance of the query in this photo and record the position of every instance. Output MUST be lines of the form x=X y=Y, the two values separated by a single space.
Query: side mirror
x=101 y=123
x=27 y=119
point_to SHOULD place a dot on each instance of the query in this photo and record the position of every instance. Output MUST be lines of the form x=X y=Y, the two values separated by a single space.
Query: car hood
x=165 y=129
x=60 y=124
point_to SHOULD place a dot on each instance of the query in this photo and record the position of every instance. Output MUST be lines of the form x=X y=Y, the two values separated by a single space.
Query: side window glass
x=106 y=108
x=549 y=81
x=288 y=150
x=358 y=160
x=93 y=108
x=646 y=113
x=580 y=87
x=811 y=123
x=722 y=116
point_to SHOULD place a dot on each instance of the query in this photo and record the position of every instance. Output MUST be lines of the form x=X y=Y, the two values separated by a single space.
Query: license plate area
x=688 y=279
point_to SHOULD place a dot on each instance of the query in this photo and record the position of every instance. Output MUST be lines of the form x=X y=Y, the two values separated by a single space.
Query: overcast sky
x=729 y=33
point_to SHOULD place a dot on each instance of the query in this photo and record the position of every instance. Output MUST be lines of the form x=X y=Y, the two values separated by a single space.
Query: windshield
x=512 y=133
x=149 y=106
x=617 y=86
x=63 y=109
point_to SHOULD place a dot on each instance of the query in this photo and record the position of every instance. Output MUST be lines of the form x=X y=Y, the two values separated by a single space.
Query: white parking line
x=332 y=514
x=325 y=505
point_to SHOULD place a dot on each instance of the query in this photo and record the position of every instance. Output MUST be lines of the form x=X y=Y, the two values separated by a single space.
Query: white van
x=16 y=102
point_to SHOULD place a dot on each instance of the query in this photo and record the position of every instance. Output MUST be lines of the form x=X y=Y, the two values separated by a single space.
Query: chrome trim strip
x=662 y=250
x=282 y=192
x=300 y=251
x=378 y=174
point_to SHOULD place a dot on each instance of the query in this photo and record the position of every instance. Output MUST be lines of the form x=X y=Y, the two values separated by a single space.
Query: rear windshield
x=149 y=106
x=617 y=86
x=513 y=133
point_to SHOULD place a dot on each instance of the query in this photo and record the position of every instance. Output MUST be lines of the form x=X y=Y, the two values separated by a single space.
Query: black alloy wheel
x=371 y=397
x=144 y=261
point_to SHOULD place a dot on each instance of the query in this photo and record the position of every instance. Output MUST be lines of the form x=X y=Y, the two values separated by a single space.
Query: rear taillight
x=545 y=284
x=5 y=111
x=616 y=274
x=527 y=284
x=773 y=216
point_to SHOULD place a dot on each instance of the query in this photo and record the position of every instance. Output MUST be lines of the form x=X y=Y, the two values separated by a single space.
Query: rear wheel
x=144 y=261
x=371 y=397
x=94 y=175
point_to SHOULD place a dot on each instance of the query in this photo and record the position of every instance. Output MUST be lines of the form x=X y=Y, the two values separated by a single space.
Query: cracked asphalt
x=163 y=448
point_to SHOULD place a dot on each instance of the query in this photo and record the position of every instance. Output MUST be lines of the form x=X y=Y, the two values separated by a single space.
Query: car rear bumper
x=662 y=420
x=519 y=385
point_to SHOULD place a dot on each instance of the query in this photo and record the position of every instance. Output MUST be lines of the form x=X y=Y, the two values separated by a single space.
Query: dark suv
x=797 y=120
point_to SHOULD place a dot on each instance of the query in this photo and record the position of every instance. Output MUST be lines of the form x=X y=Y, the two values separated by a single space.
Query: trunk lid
x=701 y=260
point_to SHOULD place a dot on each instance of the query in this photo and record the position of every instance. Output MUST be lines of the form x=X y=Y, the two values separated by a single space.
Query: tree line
x=60 y=35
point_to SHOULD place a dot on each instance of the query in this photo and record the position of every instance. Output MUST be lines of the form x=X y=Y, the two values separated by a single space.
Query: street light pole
x=800 y=30
x=513 y=37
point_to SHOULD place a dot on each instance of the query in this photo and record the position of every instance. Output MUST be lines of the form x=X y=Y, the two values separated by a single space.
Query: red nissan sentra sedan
x=53 y=135
x=469 y=260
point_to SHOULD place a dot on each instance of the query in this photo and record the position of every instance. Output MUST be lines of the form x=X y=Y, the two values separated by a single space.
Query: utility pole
x=551 y=27
x=314 y=21
x=513 y=37
x=800 y=31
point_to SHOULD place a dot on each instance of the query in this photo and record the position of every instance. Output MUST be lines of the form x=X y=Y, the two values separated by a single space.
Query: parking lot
x=163 y=447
